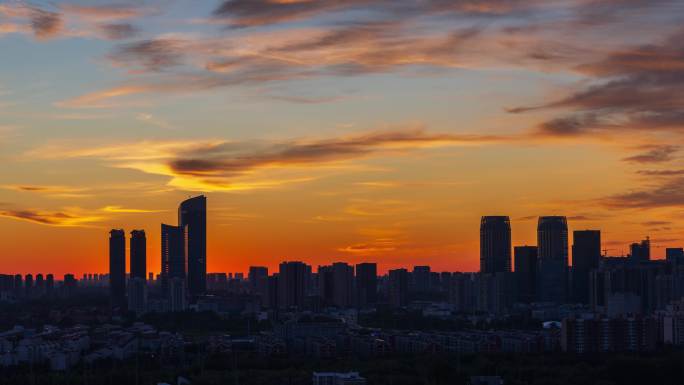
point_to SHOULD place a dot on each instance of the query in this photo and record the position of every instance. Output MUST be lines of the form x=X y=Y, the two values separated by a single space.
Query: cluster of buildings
x=61 y=349
x=183 y=261
x=603 y=300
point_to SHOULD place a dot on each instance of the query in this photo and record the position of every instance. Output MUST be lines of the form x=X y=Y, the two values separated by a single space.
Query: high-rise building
x=675 y=255
x=526 y=273
x=398 y=287
x=552 y=271
x=343 y=284
x=49 y=284
x=256 y=278
x=28 y=285
x=192 y=215
x=293 y=280
x=495 y=244
x=138 y=250
x=421 y=279
x=366 y=284
x=177 y=295
x=137 y=295
x=172 y=253
x=640 y=251
x=117 y=268
x=586 y=255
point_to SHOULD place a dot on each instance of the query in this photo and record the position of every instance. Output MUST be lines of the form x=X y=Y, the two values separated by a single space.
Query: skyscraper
x=138 y=252
x=172 y=254
x=552 y=272
x=495 y=244
x=366 y=284
x=192 y=215
x=117 y=268
x=586 y=255
x=526 y=272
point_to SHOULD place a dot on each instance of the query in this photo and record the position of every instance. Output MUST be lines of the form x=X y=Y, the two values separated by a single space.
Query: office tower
x=117 y=268
x=137 y=295
x=172 y=254
x=398 y=287
x=138 y=251
x=641 y=251
x=256 y=278
x=192 y=215
x=366 y=284
x=421 y=279
x=495 y=244
x=552 y=271
x=586 y=255
x=177 y=294
x=526 y=272
x=293 y=280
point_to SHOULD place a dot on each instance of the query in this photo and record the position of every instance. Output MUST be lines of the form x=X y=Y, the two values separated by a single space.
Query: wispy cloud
x=127 y=210
x=51 y=218
x=636 y=88
x=655 y=154
x=217 y=165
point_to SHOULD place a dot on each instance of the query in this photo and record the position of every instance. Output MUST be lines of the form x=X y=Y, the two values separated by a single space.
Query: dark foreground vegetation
x=244 y=368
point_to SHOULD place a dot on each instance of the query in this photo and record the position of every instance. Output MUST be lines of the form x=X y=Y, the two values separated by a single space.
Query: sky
x=336 y=130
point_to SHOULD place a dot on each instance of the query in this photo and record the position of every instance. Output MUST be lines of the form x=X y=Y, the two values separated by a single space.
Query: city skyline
x=326 y=131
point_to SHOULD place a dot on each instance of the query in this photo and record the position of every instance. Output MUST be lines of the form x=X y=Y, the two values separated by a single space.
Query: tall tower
x=192 y=215
x=117 y=268
x=172 y=254
x=495 y=244
x=138 y=252
x=552 y=242
x=586 y=255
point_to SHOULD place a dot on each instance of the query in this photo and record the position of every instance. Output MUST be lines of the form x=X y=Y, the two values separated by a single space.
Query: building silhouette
x=293 y=280
x=586 y=255
x=117 y=268
x=138 y=251
x=552 y=270
x=192 y=215
x=420 y=279
x=526 y=273
x=366 y=284
x=640 y=251
x=398 y=287
x=172 y=254
x=495 y=244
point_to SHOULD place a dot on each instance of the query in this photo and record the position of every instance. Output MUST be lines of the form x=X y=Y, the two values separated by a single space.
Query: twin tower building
x=183 y=257
x=545 y=265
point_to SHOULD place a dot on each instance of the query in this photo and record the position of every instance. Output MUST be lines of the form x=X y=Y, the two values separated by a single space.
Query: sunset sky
x=327 y=130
